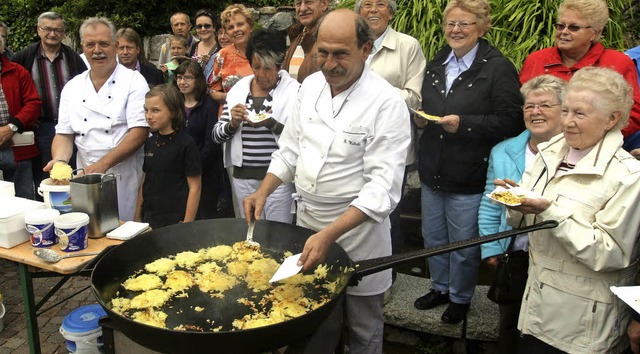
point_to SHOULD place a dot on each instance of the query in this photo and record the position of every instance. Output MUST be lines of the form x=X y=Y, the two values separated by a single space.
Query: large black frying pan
x=116 y=266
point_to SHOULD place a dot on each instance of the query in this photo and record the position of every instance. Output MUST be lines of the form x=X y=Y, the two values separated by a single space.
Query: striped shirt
x=50 y=77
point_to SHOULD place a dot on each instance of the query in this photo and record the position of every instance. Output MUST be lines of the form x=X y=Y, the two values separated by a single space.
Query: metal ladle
x=51 y=256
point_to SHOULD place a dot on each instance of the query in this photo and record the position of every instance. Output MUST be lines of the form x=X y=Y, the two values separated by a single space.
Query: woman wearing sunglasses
x=207 y=45
x=577 y=45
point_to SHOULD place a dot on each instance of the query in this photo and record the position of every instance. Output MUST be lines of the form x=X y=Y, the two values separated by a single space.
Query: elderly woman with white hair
x=591 y=186
x=390 y=46
x=579 y=27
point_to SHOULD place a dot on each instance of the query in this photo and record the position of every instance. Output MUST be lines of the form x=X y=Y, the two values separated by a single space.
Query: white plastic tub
x=55 y=196
x=12 y=212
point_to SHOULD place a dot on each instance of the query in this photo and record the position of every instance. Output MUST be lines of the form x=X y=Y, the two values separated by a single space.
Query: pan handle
x=370 y=266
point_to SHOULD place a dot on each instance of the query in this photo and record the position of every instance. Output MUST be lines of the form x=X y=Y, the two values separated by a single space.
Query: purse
x=511 y=276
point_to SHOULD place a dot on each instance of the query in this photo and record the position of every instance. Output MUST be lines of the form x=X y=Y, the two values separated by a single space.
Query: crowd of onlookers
x=245 y=122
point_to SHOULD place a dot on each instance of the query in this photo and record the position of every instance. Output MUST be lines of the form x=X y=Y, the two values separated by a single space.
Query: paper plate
x=425 y=115
x=629 y=294
x=258 y=117
x=517 y=191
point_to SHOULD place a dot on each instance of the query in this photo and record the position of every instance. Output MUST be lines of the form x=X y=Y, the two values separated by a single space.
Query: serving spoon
x=52 y=257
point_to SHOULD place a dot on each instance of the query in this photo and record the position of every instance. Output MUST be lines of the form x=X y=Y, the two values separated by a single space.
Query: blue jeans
x=44 y=134
x=17 y=172
x=447 y=218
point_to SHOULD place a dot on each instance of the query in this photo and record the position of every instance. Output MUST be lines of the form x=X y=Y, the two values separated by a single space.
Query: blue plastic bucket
x=39 y=224
x=72 y=231
x=81 y=330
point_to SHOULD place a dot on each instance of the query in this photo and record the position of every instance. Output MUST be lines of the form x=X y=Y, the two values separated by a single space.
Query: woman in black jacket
x=474 y=91
x=202 y=114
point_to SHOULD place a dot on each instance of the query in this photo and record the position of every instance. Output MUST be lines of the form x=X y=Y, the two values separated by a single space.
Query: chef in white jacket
x=102 y=112
x=345 y=145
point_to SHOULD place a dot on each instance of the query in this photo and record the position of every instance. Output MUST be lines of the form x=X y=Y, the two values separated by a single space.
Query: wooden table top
x=23 y=253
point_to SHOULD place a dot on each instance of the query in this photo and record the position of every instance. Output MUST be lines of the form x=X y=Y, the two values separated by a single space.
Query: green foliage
x=147 y=17
x=519 y=27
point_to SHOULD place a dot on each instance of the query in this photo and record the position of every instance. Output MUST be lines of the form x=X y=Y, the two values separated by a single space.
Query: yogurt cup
x=39 y=224
x=72 y=231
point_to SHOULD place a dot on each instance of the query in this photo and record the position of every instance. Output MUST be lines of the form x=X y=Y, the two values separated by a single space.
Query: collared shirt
x=50 y=76
x=456 y=66
x=376 y=45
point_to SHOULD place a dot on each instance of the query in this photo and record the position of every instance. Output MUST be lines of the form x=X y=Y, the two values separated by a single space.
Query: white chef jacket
x=100 y=121
x=344 y=151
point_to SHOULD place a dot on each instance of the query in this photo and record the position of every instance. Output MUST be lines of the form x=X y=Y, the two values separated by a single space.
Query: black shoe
x=430 y=300
x=455 y=313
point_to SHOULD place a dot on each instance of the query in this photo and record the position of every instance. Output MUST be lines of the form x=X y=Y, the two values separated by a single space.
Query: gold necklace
x=169 y=138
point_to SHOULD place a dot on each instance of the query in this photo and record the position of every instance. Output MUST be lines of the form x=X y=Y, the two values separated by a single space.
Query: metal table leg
x=28 y=297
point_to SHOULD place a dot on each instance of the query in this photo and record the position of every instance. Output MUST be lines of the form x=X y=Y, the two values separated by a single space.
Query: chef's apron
x=368 y=240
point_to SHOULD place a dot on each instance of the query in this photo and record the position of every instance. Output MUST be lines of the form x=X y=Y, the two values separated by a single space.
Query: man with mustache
x=345 y=143
x=298 y=60
x=51 y=64
x=102 y=112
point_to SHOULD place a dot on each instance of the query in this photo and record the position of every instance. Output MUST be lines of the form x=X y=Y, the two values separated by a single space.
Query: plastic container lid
x=42 y=216
x=47 y=185
x=83 y=319
x=71 y=220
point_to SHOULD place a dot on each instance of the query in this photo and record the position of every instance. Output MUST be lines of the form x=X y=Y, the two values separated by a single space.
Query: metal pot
x=115 y=267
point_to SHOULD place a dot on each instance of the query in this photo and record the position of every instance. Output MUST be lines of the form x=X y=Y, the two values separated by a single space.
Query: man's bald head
x=349 y=21
x=343 y=43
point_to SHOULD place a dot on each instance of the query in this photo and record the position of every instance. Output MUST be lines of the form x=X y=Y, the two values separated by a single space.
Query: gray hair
x=179 y=13
x=6 y=28
x=545 y=84
x=50 y=15
x=392 y=5
x=612 y=92
x=94 y=21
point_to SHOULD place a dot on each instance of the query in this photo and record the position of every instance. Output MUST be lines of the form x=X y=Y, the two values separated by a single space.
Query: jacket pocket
x=571 y=322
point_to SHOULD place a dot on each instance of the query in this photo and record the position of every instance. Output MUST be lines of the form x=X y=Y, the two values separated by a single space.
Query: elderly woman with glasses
x=253 y=117
x=473 y=92
x=390 y=46
x=509 y=159
x=578 y=30
x=591 y=186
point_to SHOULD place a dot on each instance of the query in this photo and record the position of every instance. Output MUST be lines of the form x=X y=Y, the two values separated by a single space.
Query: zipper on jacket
x=593 y=309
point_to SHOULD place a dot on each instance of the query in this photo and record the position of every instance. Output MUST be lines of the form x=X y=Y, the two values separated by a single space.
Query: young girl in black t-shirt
x=170 y=190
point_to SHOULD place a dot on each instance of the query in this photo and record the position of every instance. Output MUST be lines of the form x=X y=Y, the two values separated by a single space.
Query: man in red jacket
x=19 y=109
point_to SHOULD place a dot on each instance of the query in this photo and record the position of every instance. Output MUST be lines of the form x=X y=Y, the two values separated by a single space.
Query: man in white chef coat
x=345 y=145
x=102 y=112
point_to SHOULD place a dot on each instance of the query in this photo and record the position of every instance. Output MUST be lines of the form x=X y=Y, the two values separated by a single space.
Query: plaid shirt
x=4 y=107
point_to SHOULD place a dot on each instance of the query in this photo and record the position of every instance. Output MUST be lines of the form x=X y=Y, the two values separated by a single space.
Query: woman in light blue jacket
x=542 y=107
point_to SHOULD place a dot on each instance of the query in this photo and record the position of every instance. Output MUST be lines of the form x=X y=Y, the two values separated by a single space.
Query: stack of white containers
x=12 y=212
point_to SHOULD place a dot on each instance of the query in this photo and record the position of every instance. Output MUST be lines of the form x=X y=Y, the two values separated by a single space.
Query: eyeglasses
x=205 y=26
x=306 y=3
x=572 y=28
x=184 y=78
x=378 y=5
x=49 y=29
x=462 y=25
x=530 y=107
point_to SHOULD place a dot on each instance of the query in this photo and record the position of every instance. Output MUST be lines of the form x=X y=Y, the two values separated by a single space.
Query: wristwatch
x=14 y=128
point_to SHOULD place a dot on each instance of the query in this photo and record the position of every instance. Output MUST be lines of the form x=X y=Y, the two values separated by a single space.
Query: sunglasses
x=572 y=28
x=205 y=26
